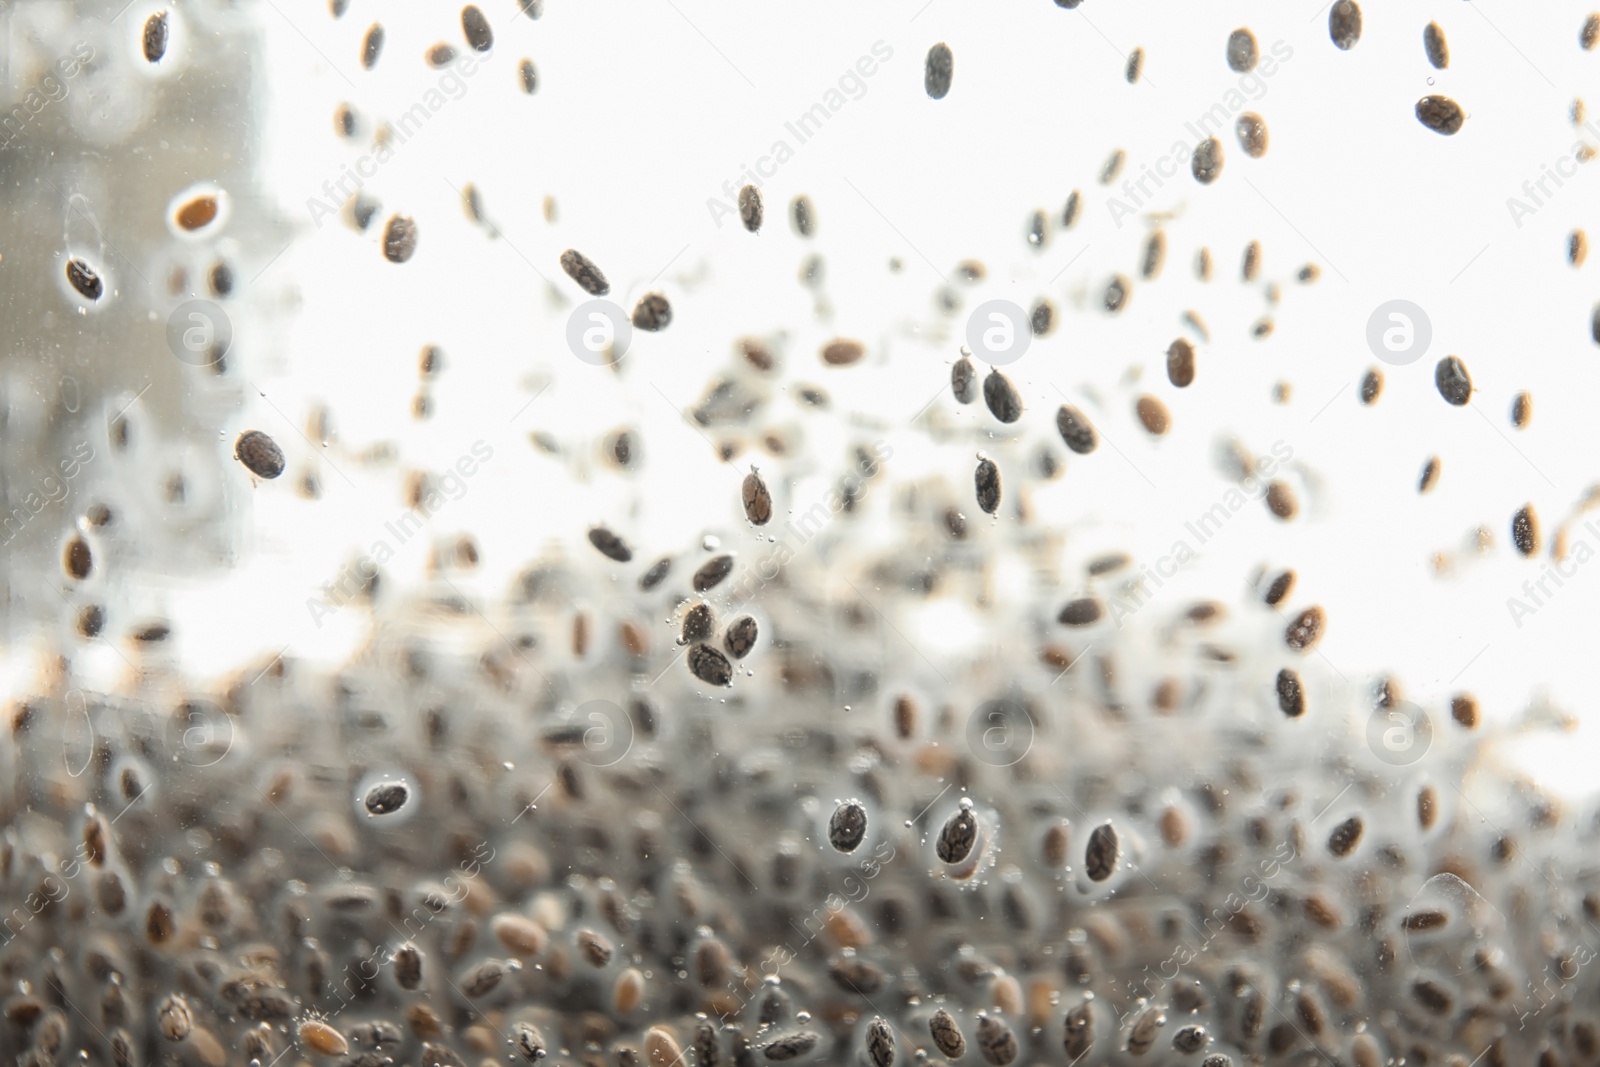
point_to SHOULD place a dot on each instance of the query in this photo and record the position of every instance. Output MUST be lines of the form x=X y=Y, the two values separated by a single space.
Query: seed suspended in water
x=1281 y=501
x=1042 y=319
x=528 y=78
x=1145 y=1030
x=1252 y=261
x=173 y=1017
x=323 y=1039
x=940 y=69
x=803 y=215
x=698 y=622
x=964 y=381
x=656 y=574
x=84 y=279
x=385 y=798
x=476 y=28
x=652 y=313
x=1153 y=415
x=1522 y=411
x=750 y=210
x=987 y=482
x=712 y=572
x=1430 y=475
x=155 y=37
x=958 y=836
x=1590 y=34
x=1452 y=380
x=1202 y=264
x=1038 y=231
x=848 y=827
x=440 y=55
x=791 y=1046
x=1001 y=396
x=610 y=545
x=1525 y=531
x=1085 y=611
x=372 y=46
x=1069 y=213
x=1251 y=129
x=757 y=499
x=1100 y=857
x=946 y=1035
x=842 y=352
x=1371 y=386
x=1155 y=256
x=1113 y=167
x=399 y=239
x=529 y=1041
x=1344 y=24
x=1076 y=430
x=1242 y=51
x=77 y=559
x=740 y=639
x=585 y=273
x=996 y=1041
x=1116 y=295
x=1345 y=836
x=408 y=966
x=259 y=453
x=1306 y=630
x=710 y=666
x=1577 y=248
x=1291 y=695
x=1135 y=65
x=1434 y=44
x=1077 y=1031
x=1207 y=161
x=1180 y=363
x=1440 y=114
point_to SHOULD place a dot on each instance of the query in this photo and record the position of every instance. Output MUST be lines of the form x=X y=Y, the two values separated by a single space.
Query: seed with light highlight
x=757 y=499
x=958 y=836
x=1291 y=694
x=939 y=71
x=803 y=215
x=1180 y=363
x=1371 y=386
x=1345 y=836
x=986 y=481
x=476 y=28
x=1434 y=44
x=1153 y=415
x=740 y=639
x=173 y=1018
x=1251 y=129
x=155 y=37
x=1100 y=857
x=385 y=798
x=1306 y=630
x=1242 y=51
x=1207 y=162
x=372 y=46
x=1440 y=114
x=848 y=826
x=1525 y=531
x=964 y=381
x=996 y=1041
x=1076 y=430
x=652 y=313
x=1344 y=24
x=581 y=270
x=323 y=1039
x=84 y=279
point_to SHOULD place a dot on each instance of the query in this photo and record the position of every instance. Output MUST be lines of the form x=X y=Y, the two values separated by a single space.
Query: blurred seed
x=1371 y=386
x=77 y=559
x=652 y=313
x=408 y=966
x=1153 y=415
x=740 y=639
x=584 y=272
x=476 y=29
x=1291 y=695
x=386 y=798
x=986 y=480
x=436 y=1055
x=1242 y=51
x=529 y=1041
x=1252 y=261
x=842 y=352
x=528 y=78
x=1135 y=65
x=1452 y=380
x=1113 y=167
x=1430 y=475
x=1180 y=363
x=940 y=69
x=1525 y=530
x=947 y=1035
x=610 y=545
x=996 y=1041
x=1279 y=589
x=712 y=572
x=155 y=37
x=1344 y=24
x=84 y=279
x=1251 y=129
x=627 y=993
x=1076 y=430
x=372 y=46
x=1434 y=44
x=1202 y=264
x=880 y=1044
x=1281 y=501
x=595 y=948
x=964 y=380
x=1345 y=836
x=1116 y=294
x=1433 y=997
x=958 y=836
x=1001 y=396
x=1038 y=233
x=1306 y=630
x=750 y=209
x=1078 y=1032
x=323 y=1039
x=757 y=499
x=698 y=622
x=1069 y=213
x=791 y=1046
x=1100 y=857
x=1206 y=163
x=803 y=215
x=848 y=826
x=710 y=666
x=399 y=239
x=1145 y=1030
x=655 y=575
x=440 y=55
x=1522 y=411
x=1590 y=33
x=1042 y=318
x=1155 y=256
x=1440 y=114
x=1081 y=612
x=173 y=1017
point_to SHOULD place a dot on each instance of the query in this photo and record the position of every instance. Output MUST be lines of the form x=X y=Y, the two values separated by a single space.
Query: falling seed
x=1434 y=44
x=964 y=381
x=528 y=78
x=1180 y=363
x=595 y=948
x=1042 y=319
x=958 y=836
x=440 y=55
x=1135 y=65
x=1153 y=415
x=1371 y=386
x=529 y=1041
x=1076 y=430
x=842 y=352
x=385 y=798
x=1242 y=51
x=791 y=1046
x=1100 y=857
x=710 y=666
x=584 y=272
x=1155 y=256
x=1306 y=630
x=1207 y=161
x=698 y=623
x=987 y=482
x=1069 y=213
x=372 y=46
x=1085 y=611
x=476 y=28
x=1440 y=114
x=1078 y=1032
x=1525 y=530
x=1281 y=501
x=946 y=1035
x=1291 y=695
x=652 y=313
x=1430 y=475
x=750 y=210
x=1113 y=166
x=1590 y=34
x=1427 y=807
x=84 y=279
x=996 y=1041
x=155 y=37
x=259 y=453
x=610 y=545
x=1001 y=396
x=757 y=499
x=803 y=215
x=1145 y=1030
x=1038 y=231
x=1522 y=410
x=1345 y=836
x=741 y=637
x=399 y=239
x=408 y=966
x=323 y=1039
x=1452 y=380
x=1116 y=294
x=1577 y=248
x=1344 y=24
x=173 y=1017
x=1251 y=265
x=940 y=69
x=77 y=559
x=712 y=572
x=848 y=826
